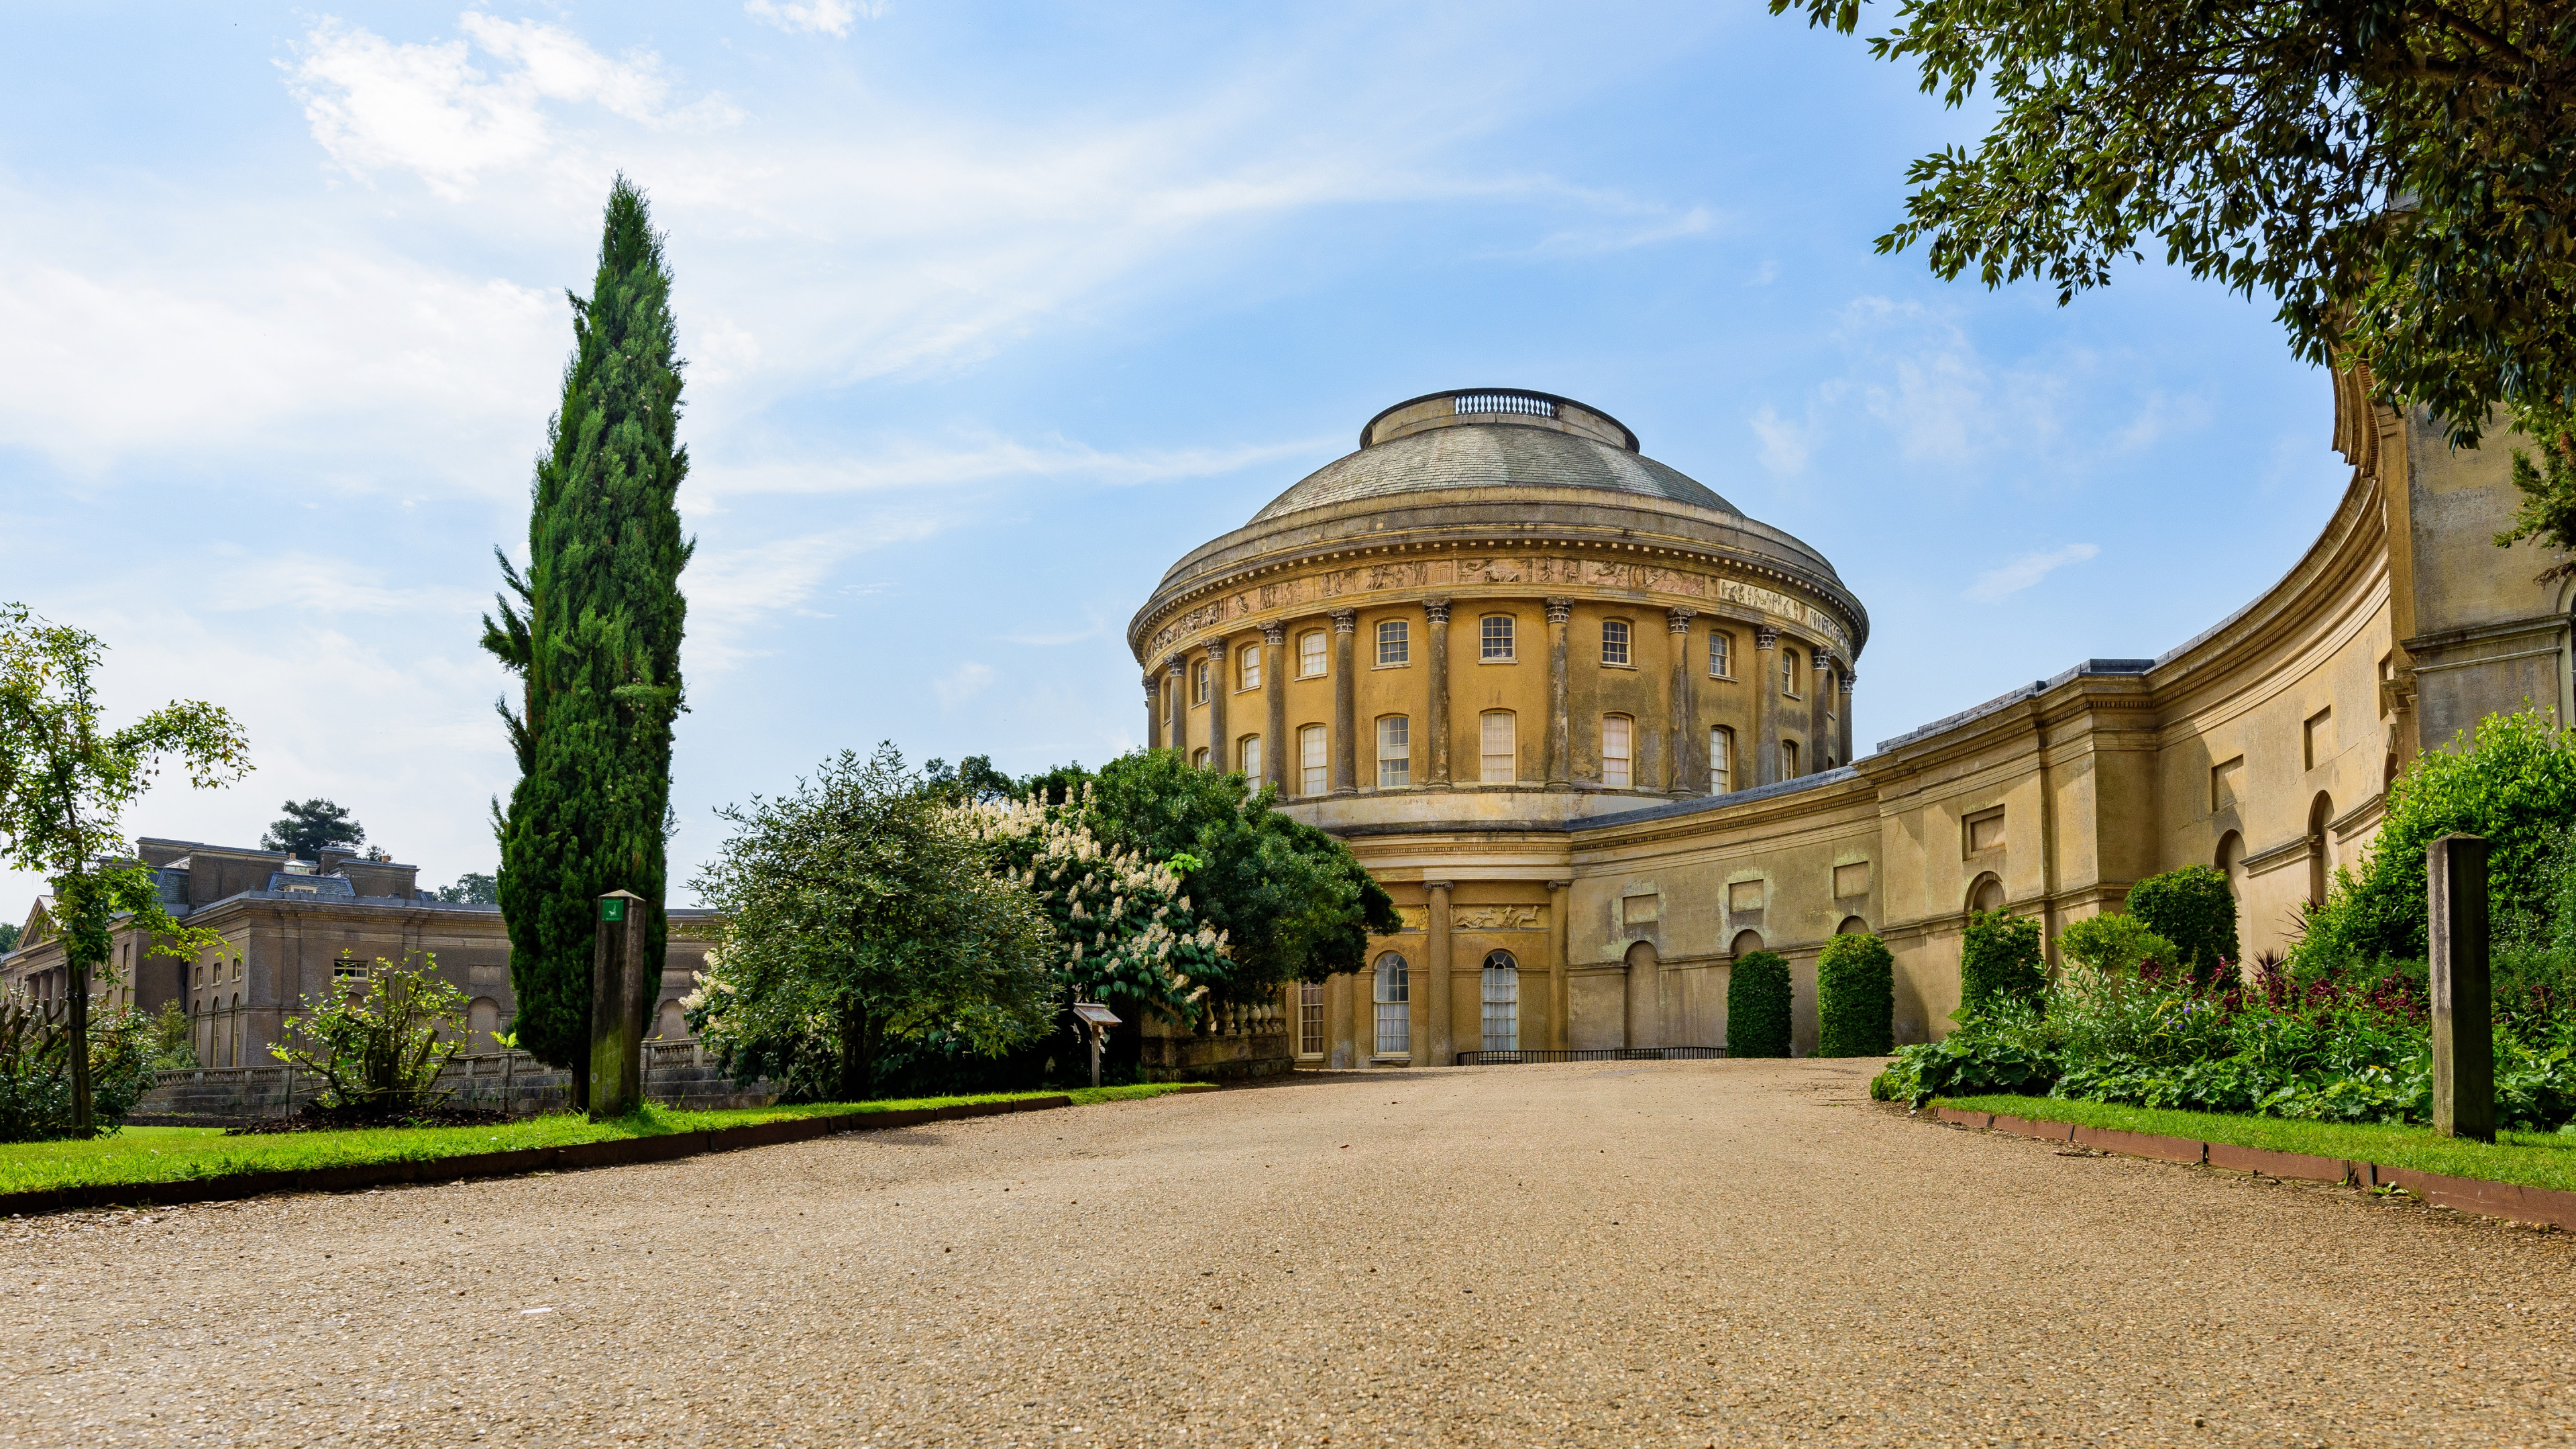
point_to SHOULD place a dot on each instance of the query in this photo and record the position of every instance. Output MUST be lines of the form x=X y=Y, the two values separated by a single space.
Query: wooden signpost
x=620 y=994
x=2463 y=1015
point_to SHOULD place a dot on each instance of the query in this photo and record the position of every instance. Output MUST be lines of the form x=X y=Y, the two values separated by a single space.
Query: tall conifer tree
x=595 y=632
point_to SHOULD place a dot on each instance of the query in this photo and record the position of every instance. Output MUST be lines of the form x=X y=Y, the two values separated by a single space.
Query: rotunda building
x=1499 y=611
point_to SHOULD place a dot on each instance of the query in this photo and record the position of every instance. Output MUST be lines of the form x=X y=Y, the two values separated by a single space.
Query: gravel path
x=1669 y=1254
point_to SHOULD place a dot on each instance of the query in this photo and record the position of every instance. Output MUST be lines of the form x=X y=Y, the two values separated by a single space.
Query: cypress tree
x=595 y=633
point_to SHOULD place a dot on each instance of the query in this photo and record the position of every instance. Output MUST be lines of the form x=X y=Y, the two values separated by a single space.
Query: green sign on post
x=612 y=909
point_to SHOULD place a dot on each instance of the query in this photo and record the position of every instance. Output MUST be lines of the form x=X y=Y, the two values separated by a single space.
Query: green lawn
x=160 y=1154
x=2533 y=1159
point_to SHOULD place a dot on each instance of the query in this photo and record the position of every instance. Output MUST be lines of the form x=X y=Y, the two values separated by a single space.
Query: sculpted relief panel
x=1478 y=918
x=1537 y=571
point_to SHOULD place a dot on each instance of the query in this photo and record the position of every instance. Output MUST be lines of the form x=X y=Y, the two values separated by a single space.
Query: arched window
x=1394 y=1007
x=1199 y=757
x=1614 y=642
x=2320 y=849
x=1310 y=1018
x=1789 y=672
x=482 y=1018
x=1788 y=759
x=1852 y=926
x=1247 y=753
x=1986 y=893
x=1618 y=748
x=1498 y=757
x=1721 y=654
x=1721 y=760
x=1394 y=751
x=1394 y=644
x=1248 y=666
x=2231 y=864
x=1494 y=639
x=1310 y=760
x=1745 y=944
x=1199 y=677
x=1310 y=654
x=1502 y=1003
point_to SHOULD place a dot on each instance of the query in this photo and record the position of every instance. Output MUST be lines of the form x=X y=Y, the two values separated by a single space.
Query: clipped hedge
x=2192 y=908
x=1757 y=1006
x=1855 y=998
x=2000 y=961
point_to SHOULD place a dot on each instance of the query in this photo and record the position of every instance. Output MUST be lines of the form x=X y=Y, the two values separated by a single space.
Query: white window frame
x=1507 y=638
x=1509 y=770
x=1394 y=751
x=1721 y=760
x=1721 y=654
x=1394 y=644
x=1392 y=991
x=1788 y=672
x=1313 y=654
x=1199 y=758
x=1619 y=771
x=1314 y=760
x=1501 y=998
x=1788 y=759
x=1310 y=1018
x=1247 y=757
x=1248 y=668
x=1618 y=644
x=1202 y=682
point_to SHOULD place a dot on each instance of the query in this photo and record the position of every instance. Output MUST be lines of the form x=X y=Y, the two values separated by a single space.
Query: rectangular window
x=1497 y=749
x=1502 y=1004
x=1199 y=757
x=1614 y=642
x=1199 y=683
x=1310 y=760
x=1789 y=672
x=1249 y=755
x=1310 y=1019
x=1394 y=751
x=1721 y=655
x=1615 y=746
x=1721 y=760
x=2224 y=780
x=1310 y=654
x=1494 y=638
x=1788 y=759
x=1394 y=1009
x=1250 y=667
x=1394 y=644
x=2320 y=737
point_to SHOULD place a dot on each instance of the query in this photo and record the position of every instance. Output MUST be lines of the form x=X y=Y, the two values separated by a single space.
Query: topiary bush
x=2115 y=945
x=1757 y=1006
x=1855 y=998
x=2193 y=909
x=2000 y=961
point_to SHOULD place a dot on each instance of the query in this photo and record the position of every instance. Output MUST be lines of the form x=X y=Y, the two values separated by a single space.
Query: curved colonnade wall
x=1582 y=876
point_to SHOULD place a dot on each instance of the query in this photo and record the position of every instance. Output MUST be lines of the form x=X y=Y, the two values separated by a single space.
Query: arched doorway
x=1394 y=1006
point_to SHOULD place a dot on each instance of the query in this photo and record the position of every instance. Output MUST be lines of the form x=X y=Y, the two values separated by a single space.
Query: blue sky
x=993 y=312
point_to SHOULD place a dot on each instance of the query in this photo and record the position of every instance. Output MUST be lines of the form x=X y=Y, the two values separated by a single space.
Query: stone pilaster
x=1220 y=743
x=1820 y=710
x=1843 y=727
x=1560 y=980
x=1560 y=719
x=1433 y=1049
x=1176 y=673
x=1682 y=746
x=1153 y=713
x=1274 y=692
x=1767 y=705
x=1345 y=704
x=1435 y=710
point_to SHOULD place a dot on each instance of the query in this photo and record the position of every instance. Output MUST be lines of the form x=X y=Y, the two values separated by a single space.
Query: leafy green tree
x=2396 y=174
x=1757 y=1006
x=2000 y=960
x=2513 y=782
x=65 y=781
x=594 y=632
x=1292 y=901
x=473 y=888
x=1855 y=998
x=2192 y=908
x=971 y=779
x=8 y=937
x=857 y=911
x=381 y=1044
x=311 y=826
x=2115 y=944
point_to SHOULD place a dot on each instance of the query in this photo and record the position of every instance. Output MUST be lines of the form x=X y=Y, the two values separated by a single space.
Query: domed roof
x=1491 y=438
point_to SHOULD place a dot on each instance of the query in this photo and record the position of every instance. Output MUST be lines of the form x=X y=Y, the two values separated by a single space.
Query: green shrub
x=1855 y=998
x=2514 y=783
x=2007 y=1049
x=35 y=1069
x=2115 y=945
x=380 y=1043
x=1757 y=1007
x=2192 y=908
x=172 y=1043
x=2000 y=961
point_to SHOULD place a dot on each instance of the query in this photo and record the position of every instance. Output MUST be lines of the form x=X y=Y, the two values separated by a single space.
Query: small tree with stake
x=64 y=783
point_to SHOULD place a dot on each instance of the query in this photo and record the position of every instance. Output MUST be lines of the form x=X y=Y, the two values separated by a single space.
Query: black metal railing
x=1596 y=1054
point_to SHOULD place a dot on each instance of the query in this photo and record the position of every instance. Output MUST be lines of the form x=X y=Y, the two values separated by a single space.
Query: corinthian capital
x=1679 y=620
x=1345 y=620
x=1437 y=610
x=1559 y=610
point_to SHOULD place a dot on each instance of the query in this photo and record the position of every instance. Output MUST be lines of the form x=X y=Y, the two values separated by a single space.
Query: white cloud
x=1698 y=221
x=824 y=17
x=427 y=108
x=1784 y=443
x=2022 y=572
x=961 y=684
x=905 y=464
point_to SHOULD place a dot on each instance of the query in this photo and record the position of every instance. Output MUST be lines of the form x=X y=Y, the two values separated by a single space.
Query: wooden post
x=616 y=992
x=2463 y=1022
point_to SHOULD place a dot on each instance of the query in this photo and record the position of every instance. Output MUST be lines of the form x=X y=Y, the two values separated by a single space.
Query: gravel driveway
x=1669 y=1254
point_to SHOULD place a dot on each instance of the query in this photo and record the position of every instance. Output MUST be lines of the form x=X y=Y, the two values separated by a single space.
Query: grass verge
x=168 y=1154
x=2532 y=1159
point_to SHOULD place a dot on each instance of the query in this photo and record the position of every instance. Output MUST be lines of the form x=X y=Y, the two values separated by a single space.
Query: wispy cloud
x=2029 y=569
x=821 y=17
x=961 y=684
x=915 y=464
x=1784 y=443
